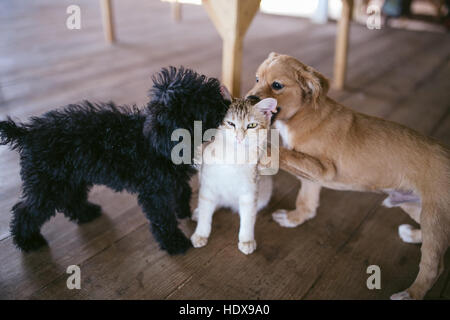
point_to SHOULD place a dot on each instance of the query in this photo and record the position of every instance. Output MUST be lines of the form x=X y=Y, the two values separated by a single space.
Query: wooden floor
x=398 y=75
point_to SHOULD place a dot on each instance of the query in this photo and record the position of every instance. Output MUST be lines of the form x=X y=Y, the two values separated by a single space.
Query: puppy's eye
x=277 y=85
x=252 y=125
x=231 y=123
x=257 y=79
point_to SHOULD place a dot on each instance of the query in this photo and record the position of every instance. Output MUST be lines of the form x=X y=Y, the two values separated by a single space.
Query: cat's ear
x=225 y=93
x=267 y=106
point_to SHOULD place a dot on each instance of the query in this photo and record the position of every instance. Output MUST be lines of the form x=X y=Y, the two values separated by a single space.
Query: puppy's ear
x=267 y=106
x=314 y=85
x=158 y=134
x=225 y=93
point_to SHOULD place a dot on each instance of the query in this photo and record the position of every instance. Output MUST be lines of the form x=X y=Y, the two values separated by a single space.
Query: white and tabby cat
x=227 y=182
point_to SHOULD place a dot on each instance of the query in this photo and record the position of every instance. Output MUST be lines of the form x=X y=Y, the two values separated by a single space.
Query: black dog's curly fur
x=64 y=152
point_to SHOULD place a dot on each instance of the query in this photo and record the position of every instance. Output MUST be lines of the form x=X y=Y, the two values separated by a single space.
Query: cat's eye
x=257 y=79
x=231 y=124
x=277 y=86
x=252 y=125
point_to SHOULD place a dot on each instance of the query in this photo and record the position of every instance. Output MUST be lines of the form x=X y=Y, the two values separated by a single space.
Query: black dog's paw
x=30 y=243
x=90 y=212
x=177 y=243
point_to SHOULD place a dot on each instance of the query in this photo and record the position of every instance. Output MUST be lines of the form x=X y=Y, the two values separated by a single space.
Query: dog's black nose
x=253 y=99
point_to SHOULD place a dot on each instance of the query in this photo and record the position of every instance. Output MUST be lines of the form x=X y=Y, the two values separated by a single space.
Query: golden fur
x=336 y=147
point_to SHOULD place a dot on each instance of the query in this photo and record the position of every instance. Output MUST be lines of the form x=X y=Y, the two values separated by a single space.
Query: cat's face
x=243 y=120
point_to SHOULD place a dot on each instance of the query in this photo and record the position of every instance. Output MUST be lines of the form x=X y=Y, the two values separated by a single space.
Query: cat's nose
x=253 y=99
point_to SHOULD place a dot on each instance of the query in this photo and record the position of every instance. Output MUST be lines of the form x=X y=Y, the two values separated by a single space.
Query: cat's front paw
x=247 y=247
x=198 y=241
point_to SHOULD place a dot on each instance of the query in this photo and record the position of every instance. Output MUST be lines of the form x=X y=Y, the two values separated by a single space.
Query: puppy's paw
x=404 y=295
x=31 y=243
x=409 y=234
x=198 y=241
x=194 y=216
x=387 y=203
x=290 y=219
x=175 y=243
x=247 y=247
x=281 y=217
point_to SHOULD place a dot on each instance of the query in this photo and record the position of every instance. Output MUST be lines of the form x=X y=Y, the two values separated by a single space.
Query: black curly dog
x=64 y=152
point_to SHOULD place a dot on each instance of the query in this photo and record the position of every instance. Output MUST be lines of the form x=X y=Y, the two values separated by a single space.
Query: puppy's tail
x=11 y=133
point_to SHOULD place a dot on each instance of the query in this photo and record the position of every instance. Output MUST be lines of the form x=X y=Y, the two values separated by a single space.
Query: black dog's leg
x=76 y=206
x=159 y=209
x=26 y=225
x=183 y=207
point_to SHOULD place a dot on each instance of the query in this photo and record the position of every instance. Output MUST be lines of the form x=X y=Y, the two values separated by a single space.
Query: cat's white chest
x=284 y=133
x=229 y=182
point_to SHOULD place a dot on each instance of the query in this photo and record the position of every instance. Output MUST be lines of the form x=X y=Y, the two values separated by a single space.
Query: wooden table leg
x=231 y=64
x=231 y=19
x=108 y=21
x=340 y=57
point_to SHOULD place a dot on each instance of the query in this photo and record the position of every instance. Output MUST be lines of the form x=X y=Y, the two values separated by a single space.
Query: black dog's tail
x=11 y=133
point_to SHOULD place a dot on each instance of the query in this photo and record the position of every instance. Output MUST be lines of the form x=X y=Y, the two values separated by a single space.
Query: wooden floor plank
x=22 y=274
x=138 y=253
x=285 y=266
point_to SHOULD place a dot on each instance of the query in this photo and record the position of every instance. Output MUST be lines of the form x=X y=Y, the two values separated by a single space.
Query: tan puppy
x=341 y=149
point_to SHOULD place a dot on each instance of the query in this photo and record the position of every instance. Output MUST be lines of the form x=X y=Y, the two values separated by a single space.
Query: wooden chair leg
x=340 y=58
x=108 y=21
